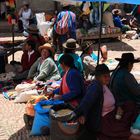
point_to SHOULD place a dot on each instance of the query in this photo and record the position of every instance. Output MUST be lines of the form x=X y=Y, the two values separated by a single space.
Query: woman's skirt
x=113 y=129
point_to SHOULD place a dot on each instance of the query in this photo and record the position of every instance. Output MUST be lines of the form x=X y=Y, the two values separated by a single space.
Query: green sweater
x=45 y=71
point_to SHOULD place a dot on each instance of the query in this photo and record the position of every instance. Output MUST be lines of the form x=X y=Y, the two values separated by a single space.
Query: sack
x=25 y=96
x=29 y=109
x=42 y=118
x=62 y=26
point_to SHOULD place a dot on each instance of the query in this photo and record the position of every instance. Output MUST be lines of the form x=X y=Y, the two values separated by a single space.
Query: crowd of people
x=107 y=108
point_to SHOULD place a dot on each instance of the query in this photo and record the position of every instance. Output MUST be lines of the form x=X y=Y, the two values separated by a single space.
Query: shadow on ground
x=114 y=45
x=23 y=134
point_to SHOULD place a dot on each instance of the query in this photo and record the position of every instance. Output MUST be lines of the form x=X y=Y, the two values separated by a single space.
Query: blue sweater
x=117 y=21
x=76 y=86
x=91 y=107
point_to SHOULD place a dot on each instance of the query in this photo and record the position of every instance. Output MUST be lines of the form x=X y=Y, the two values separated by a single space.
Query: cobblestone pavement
x=11 y=121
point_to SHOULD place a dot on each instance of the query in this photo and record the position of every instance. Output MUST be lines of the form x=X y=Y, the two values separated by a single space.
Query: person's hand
x=57 y=97
x=82 y=120
x=49 y=94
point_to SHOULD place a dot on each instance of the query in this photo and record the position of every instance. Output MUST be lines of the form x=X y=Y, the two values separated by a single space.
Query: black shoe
x=28 y=120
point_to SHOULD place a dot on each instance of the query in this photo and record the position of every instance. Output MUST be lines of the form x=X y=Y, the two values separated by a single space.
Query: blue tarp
x=115 y=1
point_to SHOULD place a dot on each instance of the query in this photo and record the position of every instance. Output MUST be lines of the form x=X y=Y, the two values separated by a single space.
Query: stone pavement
x=11 y=121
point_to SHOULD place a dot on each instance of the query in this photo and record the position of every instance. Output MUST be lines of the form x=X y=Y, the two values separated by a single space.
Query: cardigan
x=47 y=70
x=91 y=107
x=124 y=86
x=75 y=83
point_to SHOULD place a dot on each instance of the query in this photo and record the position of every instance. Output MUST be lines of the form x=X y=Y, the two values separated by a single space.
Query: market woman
x=44 y=68
x=123 y=84
x=72 y=86
x=97 y=111
x=89 y=59
x=69 y=48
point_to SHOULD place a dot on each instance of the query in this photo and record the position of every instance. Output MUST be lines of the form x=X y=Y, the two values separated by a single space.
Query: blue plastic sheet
x=115 y=1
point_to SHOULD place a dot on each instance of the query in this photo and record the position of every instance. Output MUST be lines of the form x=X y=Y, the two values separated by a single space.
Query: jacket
x=26 y=64
x=91 y=107
x=76 y=86
x=124 y=86
x=45 y=71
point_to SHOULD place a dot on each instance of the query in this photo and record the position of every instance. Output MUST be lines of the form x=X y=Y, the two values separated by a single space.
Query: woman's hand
x=82 y=120
x=57 y=97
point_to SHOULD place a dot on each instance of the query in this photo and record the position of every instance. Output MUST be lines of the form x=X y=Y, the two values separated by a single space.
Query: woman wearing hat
x=123 y=84
x=97 y=111
x=69 y=48
x=88 y=58
x=72 y=87
x=44 y=68
x=118 y=21
x=25 y=14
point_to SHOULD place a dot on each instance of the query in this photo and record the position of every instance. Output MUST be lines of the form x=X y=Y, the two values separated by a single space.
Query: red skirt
x=113 y=129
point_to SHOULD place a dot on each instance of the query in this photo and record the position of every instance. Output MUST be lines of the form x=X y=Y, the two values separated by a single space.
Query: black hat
x=86 y=45
x=128 y=57
x=101 y=69
x=32 y=29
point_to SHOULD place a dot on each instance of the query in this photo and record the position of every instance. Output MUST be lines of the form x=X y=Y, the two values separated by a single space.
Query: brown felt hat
x=128 y=57
x=32 y=29
x=71 y=44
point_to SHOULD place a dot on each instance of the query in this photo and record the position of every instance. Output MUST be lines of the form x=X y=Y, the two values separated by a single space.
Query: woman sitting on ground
x=29 y=56
x=89 y=59
x=70 y=47
x=44 y=68
x=99 y=103
x=123 y=84
x=72 y=86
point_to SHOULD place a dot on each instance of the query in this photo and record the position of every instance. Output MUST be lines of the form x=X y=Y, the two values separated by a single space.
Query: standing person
x=69 y=48
x=72 y=87
x=99 y=103
x=65 y=27
x=123 y=84
x=44 y=68
x=25 y=14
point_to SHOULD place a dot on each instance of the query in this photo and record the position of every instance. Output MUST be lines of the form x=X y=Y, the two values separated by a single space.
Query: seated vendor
x=29 y=56
x=118 y=22
x=72 y=86
x=44 y=68
x=89 y=59
x=70 y=47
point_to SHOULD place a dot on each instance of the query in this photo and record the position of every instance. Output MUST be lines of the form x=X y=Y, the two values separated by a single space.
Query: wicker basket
x=60 y=128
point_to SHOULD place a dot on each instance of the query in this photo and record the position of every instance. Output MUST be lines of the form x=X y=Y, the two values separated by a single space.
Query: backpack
x=62 y=26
